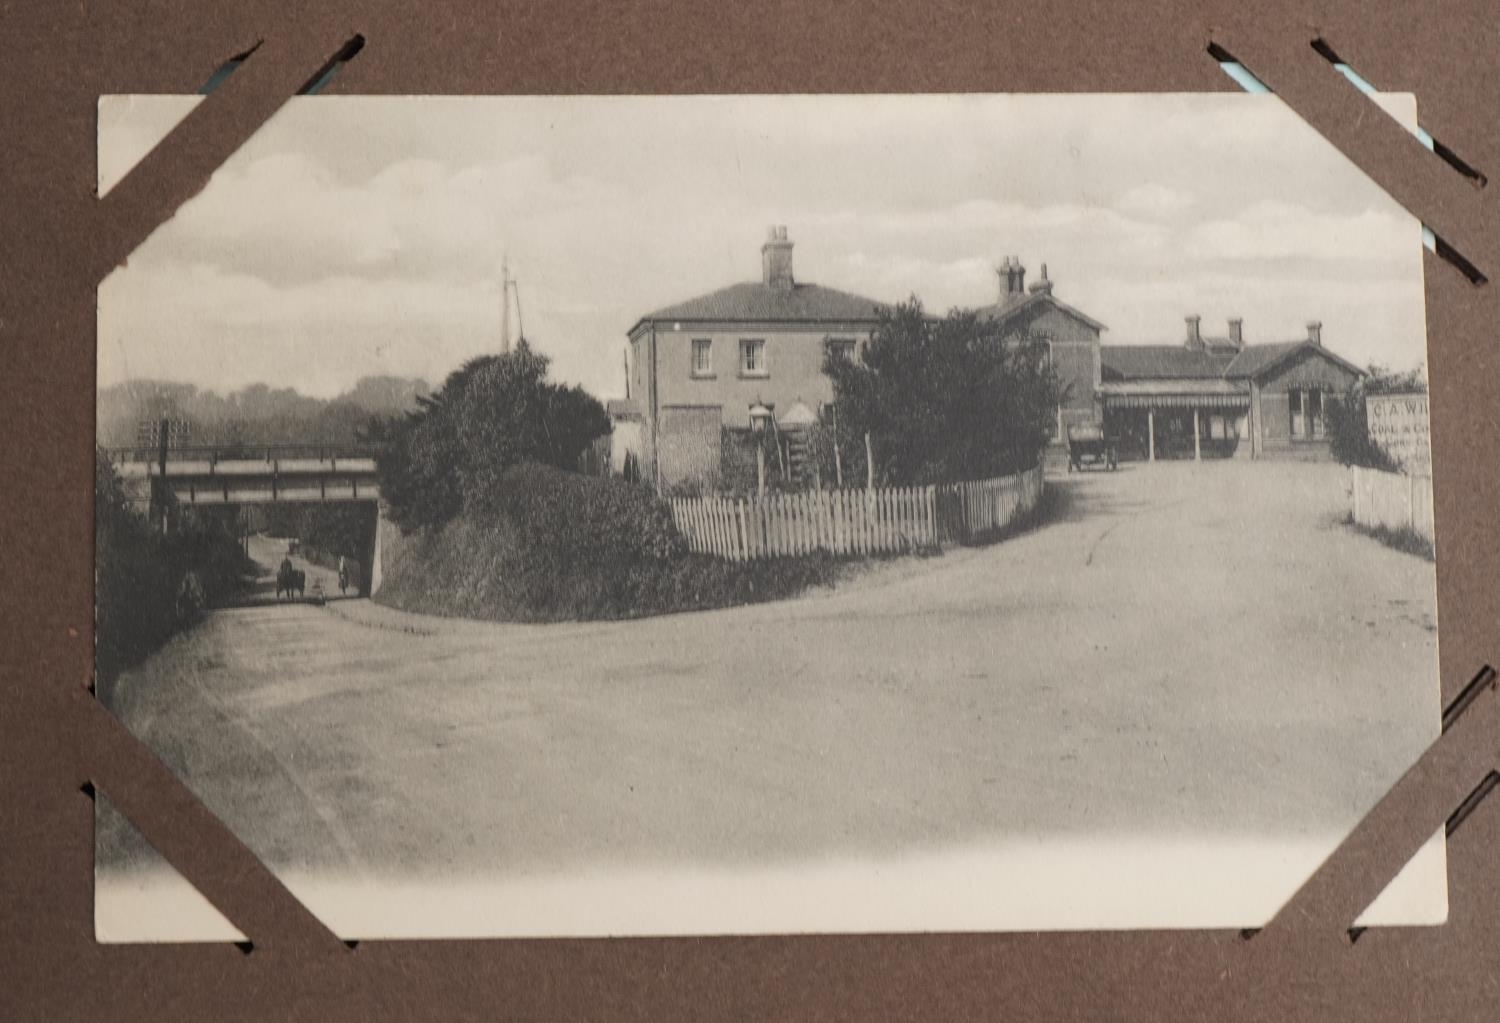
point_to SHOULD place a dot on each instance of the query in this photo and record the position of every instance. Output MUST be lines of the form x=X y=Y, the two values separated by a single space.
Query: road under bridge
x=155 y=479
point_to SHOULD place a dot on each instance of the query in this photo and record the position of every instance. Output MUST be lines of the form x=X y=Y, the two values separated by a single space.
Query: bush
x=555 y=546
x=1348 y=419
x=582 y=519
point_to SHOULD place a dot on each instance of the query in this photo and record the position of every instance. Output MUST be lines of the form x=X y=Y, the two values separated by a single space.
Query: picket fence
x=1391 y=500
x=853 y=522
x=985 y=506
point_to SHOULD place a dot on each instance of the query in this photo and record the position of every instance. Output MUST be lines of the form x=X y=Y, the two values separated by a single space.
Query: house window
x=703 y=357
x=1306 y=410
x=841 y=348
x=753 y=358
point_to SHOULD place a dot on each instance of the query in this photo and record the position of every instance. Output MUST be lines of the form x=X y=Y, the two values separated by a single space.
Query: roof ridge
x=757 y=300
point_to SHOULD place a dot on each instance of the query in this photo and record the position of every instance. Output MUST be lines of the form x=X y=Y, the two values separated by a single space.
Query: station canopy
x=1148 y=394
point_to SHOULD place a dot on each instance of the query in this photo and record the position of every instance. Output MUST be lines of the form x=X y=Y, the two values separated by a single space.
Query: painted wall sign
x=1398 y=423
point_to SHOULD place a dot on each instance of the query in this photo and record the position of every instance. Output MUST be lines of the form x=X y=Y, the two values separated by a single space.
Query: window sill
x=754 y=376
x=703 y=376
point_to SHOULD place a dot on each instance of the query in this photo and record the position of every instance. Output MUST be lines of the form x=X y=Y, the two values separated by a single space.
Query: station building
x=757 y=348
x=1220 y=397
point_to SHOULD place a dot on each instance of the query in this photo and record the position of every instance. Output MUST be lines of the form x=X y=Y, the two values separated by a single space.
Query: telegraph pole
x=504 y=305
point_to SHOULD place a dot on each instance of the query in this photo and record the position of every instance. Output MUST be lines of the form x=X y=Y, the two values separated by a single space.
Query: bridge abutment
x=376 y=573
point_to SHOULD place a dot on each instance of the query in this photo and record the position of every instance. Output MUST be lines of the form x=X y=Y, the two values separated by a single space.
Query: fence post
x=841 y=520
x=778 y=525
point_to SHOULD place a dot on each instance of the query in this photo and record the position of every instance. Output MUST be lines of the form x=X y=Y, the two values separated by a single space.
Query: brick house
x=700 y=365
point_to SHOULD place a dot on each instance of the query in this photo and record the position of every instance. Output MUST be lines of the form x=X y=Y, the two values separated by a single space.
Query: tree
x=941 y=399
x=491 y=414
x=1348 y=419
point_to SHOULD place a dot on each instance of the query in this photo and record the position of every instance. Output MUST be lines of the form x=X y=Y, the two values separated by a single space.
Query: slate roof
x=1256 y=359
x=1161 y=362
x=1178 y=362
x=1001 y=311
x=756 y=302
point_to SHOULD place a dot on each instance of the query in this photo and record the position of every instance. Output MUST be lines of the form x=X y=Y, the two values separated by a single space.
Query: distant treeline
x=258 y=414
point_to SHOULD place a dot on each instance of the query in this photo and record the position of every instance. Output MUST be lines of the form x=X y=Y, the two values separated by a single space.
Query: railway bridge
x=156 y=478
x=238 y=475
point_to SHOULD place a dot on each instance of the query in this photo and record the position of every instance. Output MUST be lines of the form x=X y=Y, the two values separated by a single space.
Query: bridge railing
x=270 y=454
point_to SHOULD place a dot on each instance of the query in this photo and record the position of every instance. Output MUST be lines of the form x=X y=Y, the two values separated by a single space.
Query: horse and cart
x=290 y=580
x=1088 y=444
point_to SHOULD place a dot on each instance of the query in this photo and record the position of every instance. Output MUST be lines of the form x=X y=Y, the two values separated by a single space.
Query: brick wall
x=793 y=368
x=1075 y=359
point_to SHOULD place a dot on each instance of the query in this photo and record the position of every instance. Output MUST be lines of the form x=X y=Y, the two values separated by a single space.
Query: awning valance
x=1148 y=401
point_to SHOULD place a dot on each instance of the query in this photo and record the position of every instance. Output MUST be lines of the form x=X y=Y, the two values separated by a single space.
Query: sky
x=353 y=236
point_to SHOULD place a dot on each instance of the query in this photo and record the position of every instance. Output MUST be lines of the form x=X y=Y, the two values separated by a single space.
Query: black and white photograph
x=579 y=516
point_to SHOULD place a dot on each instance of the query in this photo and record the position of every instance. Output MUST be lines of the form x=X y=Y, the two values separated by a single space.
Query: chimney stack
x=1315 y=332
x=1194 y=336
x=776 y=259
x=1237 y=333
x=1042 y=284
x=1012 y=279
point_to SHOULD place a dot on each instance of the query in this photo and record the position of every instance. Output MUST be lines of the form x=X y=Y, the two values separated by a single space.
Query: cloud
x=1277 y=229
x=318 y=336
x=364 y=234
x=1153 y=201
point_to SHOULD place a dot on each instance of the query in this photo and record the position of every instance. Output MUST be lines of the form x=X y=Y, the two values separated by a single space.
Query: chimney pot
x=1194 y=336
x=1042 y=284
x=1315 y=332
x=1237 y=332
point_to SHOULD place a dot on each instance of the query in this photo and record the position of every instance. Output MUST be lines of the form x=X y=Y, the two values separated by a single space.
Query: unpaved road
x=268 y=552
x=1187 y=649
